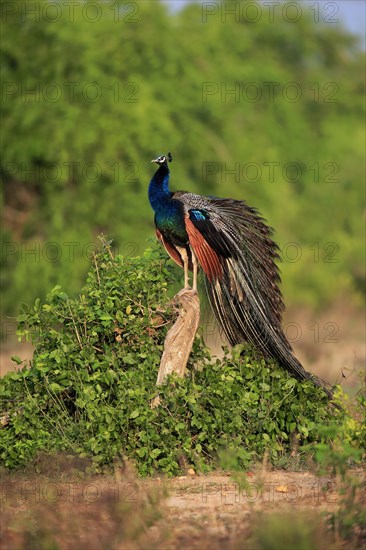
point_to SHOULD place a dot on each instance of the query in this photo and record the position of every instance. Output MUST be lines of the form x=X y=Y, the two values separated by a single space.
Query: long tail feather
x=244 y=320
x=245 y=297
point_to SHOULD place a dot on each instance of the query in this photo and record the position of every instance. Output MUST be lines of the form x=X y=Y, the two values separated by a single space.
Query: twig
x=75 y=327
x=96 y=267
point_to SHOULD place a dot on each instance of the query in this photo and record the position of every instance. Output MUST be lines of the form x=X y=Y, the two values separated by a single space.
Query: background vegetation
x=89 y=98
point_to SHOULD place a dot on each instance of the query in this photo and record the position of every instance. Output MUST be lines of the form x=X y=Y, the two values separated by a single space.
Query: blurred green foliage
x=91 y=95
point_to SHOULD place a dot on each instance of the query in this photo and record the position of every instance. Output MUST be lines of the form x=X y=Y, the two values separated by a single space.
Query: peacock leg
x=184 y=256
x=195 y=270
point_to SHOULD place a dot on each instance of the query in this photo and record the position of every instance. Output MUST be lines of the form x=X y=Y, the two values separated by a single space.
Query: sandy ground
x=193 y=512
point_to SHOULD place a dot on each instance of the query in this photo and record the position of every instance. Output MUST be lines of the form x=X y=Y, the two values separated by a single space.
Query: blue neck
x=159 y=193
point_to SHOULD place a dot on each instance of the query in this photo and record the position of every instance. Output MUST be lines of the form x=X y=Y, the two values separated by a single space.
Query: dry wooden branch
x=179 y=340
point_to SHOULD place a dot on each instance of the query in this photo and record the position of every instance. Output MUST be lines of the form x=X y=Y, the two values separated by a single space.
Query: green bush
x=93 y=375
x=342 y=456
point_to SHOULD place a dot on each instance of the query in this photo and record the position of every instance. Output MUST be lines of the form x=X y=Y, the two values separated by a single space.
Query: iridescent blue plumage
x=159 y=193
x=169 y=213
x=230 y=242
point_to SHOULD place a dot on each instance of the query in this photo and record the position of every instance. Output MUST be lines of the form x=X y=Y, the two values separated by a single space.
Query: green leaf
x=155 y=453
x=129 y=359
x=55 y=387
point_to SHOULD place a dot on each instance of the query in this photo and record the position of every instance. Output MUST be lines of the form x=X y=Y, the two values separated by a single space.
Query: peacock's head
x=163 y=159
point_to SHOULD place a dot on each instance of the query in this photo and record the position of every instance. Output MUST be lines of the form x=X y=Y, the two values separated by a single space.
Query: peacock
x=233 y=246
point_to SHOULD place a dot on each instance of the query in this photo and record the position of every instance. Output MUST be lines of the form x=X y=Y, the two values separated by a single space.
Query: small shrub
x=92 y=377
x=342 y=454
x=286 y=529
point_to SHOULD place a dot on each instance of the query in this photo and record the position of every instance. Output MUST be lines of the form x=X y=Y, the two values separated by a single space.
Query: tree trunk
x=179 y=340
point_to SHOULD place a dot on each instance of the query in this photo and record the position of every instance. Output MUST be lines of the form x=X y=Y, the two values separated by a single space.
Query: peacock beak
x=154 y=160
